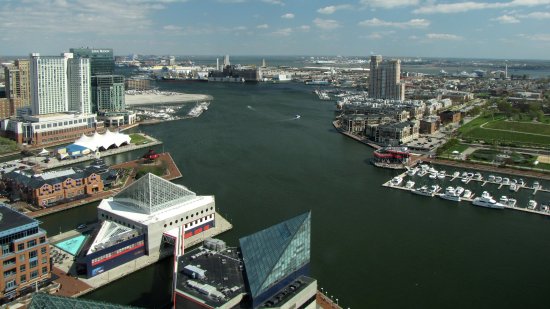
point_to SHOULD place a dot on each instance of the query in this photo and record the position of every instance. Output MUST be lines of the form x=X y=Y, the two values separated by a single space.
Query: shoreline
x=161 y=97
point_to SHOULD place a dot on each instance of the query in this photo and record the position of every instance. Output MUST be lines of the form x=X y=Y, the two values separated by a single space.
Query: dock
x=471 y=198
x=75 y=286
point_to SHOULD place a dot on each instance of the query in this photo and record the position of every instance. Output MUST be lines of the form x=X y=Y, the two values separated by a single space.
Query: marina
x=414 y=181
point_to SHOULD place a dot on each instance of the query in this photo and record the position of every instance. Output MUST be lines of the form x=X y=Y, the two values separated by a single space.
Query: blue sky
x=518 y=29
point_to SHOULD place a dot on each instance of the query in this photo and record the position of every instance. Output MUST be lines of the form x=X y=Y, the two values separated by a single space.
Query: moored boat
x=486 y=200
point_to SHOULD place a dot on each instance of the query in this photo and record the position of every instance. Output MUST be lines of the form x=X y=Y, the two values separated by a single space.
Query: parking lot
x=427 y=142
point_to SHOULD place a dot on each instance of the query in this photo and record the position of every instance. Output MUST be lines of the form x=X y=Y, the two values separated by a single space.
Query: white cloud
x=282 y=32
x=326 y=24
x=378 y=35
x=304 y=28
x=460 y=7
x=276 y=2
x=287 y=16
x=333 y=8
x=388 y=4
x=171 y=28
x=537 y=15
x=541 y=37
x=262 y=26
x=413 y=23
x=506 y=19
x=443 y=36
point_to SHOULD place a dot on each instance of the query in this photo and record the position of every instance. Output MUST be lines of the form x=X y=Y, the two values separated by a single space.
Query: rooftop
x=47 y=301
x=10 y=219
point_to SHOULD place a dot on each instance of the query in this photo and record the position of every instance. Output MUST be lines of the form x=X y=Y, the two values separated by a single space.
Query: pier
x=535 y=189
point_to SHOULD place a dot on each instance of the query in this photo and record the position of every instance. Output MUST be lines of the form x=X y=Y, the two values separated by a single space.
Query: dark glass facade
x=102 y=61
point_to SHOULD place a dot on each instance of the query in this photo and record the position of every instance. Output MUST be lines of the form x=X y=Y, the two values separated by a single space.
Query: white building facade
x=79 y=86
x=49 y=84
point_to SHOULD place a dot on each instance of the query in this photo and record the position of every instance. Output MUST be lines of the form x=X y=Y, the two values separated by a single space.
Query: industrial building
x=270 y=268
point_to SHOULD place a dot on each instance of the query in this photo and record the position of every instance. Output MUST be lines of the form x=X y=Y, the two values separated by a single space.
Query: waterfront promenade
x=172 y=172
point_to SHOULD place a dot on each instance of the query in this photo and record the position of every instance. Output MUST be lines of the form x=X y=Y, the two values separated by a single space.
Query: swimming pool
x=71 y=245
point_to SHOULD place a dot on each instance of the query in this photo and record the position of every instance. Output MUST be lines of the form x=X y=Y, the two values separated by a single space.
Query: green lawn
x=473 y=131
x=138 y=139
x=7 y=145
x=528 y=127
x=458 y=147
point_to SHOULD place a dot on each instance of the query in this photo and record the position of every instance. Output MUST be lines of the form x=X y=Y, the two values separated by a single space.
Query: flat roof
x=224 y=271
x=12 y=219
x=130 y=213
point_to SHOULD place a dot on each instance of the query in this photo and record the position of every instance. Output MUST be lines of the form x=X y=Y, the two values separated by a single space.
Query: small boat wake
x=250 y=108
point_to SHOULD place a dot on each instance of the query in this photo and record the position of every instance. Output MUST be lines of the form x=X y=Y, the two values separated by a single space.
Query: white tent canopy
x=44 y=152
x=97 y=141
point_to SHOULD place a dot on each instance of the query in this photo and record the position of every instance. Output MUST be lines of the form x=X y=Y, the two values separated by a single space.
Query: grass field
x=518 y=133
x=7 y=145
x=459 y=147
x=138 y=139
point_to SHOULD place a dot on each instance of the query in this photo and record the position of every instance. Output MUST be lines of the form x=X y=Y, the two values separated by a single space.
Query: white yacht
x=536 y=185
x=432 y=170
x=412 y=171
x=459 y=190
x=505 y=181
x=521 y=183
x=450 y=194
x=478 y=176
x=503 y=200
x=467 y=194
x=396 y=181
x=498 y=179
x=422 y=191
x=511 y=202
x=513 y=186
x=532 y=204
x=464 y=174
x=441 y=175
x=433 y=175
x=409 y=184
x=422 y=172
x=491 y=178
x=434 y=189
x=486 y=200
x=544 y=208
x=456 y=174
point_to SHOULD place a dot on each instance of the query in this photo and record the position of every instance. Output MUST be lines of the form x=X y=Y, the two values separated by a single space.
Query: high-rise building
x=385 y=79
x=49 y=84
x=25 y=259
x=79 y=85
x=59 y=84
x=18 y=85
x=108 y=93
x=102 y=61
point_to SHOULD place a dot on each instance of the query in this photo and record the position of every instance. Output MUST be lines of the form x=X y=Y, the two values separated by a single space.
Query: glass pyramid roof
x=47 y=301
x=152 y=193
x=276 y=252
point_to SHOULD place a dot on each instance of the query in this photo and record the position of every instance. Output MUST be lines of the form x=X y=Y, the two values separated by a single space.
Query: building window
x=43 y=250
x=21 y=258
x=22 y=268
x=34 y=274
x=44 y=270
x=20 y=246
x=42 y=239
x=44 y=260
x=10 y=285
x=23 y=278
x=33 y=264
x=33 y=254
x=31 y=243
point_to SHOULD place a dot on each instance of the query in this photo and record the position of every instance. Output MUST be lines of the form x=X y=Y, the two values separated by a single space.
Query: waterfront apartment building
x=18 y=90
x=51 y=188
x=25 y=260
x=385 y=79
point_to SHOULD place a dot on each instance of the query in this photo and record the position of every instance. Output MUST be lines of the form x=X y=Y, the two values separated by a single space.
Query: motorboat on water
x=498 y=179
x=536 y=185
x=486 y=200
x=422 y=191
x=456 y=174
x=396 y=181
x=504 y=200
x=491 y=178
x=441 y=175
x=298 y=116
x=432 y=170
x=505 y=181
x=422 y=172
x=433 y=175
x=412 y=171
x=450 y=194
x=511 y=202
x=409 y=184
x=464 y=174
x=459 y=190
x=478 y=176
x=521 y=182
x=532 y=204
x=467 y=194
x=513 y=186
x=544 y=208
x=433 y=189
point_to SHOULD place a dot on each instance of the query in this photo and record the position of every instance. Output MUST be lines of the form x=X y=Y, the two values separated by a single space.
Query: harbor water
x=372 y=246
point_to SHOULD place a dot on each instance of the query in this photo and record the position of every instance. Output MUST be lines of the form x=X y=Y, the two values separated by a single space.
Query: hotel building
x=17 y=86
x=385 y=79
x=25 y=260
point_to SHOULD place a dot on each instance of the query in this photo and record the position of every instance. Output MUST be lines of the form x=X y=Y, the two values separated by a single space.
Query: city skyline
x=514 y=29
